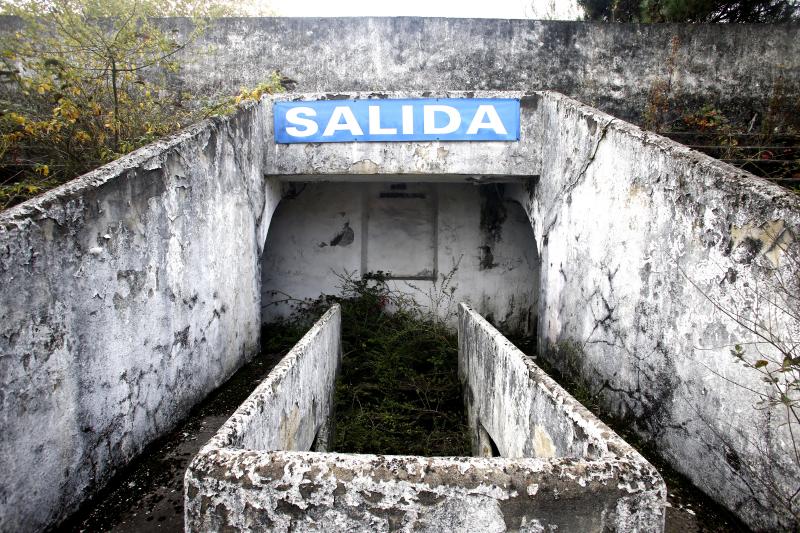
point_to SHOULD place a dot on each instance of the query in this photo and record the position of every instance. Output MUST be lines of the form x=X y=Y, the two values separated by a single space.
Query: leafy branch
x=85 y=81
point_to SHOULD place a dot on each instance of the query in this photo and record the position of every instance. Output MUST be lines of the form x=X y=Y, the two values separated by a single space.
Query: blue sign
x=426 y=119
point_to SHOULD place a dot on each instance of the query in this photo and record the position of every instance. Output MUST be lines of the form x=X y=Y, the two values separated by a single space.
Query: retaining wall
x=656 y=261
x=740 y=68
x=127 y=296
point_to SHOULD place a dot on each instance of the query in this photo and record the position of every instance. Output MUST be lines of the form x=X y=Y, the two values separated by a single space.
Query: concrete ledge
x=244 y=490
x=242 y=481
x=287 y=410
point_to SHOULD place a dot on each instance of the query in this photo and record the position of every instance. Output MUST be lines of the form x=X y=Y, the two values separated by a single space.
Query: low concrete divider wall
x=516 y=410
x=514 y=403
x=257 y=474
x=287 y=410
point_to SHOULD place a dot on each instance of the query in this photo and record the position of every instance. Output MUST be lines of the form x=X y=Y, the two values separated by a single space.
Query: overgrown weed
x=397 y=391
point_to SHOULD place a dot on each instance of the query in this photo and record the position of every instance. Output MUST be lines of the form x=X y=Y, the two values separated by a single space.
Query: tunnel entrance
x=398 y=256
x=435 y=243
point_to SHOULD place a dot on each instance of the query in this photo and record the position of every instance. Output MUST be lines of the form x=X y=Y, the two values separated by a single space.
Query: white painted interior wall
x=418 y=232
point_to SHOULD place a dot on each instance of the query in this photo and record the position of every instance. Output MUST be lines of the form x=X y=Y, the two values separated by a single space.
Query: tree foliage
x=611 y=10
x=85 y=81
x=709 y=11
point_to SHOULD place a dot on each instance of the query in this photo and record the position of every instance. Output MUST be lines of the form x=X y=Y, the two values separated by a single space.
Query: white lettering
x=350 y=123
x=375 y=122
x=408 y=119
x=429 y=119
x=493 y=123
x=293 y=116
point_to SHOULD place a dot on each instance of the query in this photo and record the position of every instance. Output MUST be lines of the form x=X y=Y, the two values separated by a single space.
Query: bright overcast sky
x=516 y=9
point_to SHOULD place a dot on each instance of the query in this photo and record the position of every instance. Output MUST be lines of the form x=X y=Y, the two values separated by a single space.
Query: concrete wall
x=127 y=296
x=656 y=262
x=437 y=237
x=736 y=67
x=231 y=489
x=241 y=482
x=132 y=292
x=739 y=68
x=522 y=410
x=288 y=409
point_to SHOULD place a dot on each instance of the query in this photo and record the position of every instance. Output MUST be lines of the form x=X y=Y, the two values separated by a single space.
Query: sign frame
x=397 y=120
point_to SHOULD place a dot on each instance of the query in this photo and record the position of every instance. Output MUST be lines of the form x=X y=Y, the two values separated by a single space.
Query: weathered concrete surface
x=459 y=242
x=456 y=159
x=127 y=296
x=523 y=411
x=287 y=410
x=243 y=490
x=250 y=476
x=739 y=68
x=656 y=261
x=633 y=230
x=735 y=67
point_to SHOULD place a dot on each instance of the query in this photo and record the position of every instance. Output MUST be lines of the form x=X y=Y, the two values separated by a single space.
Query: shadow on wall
x=438 y=243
